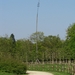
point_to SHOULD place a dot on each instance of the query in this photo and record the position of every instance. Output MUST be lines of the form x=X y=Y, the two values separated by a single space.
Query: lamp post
x=37 y=30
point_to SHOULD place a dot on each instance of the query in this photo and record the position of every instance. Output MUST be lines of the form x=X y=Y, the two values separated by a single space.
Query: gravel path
x=38 y=73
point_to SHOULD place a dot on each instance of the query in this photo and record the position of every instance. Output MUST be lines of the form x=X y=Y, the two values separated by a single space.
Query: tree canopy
x=49 y=47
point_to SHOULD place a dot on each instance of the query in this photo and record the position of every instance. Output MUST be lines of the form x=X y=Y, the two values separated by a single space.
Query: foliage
x=39 y=36
x=50 y=48
x=70 y=44
x=11 y=65
x=8 y=57
x=5 y=73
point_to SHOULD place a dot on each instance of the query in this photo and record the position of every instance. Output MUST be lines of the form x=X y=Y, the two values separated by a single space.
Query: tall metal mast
x=37 y=29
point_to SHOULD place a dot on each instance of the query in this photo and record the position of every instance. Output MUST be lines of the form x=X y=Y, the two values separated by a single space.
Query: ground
x=38 y=73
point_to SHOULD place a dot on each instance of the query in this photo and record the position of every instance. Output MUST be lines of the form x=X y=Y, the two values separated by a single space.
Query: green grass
x=56 y=69
x=4 y=73
x=60 y=73
x=55 y=73
x=49 y=67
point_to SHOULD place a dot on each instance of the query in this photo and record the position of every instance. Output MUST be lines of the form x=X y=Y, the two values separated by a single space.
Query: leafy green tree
x=70 y=41
x=7 y=53
x=52 y=44
x=39 y=36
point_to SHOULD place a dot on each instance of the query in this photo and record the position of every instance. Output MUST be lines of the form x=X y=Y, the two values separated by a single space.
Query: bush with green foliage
x=12 y=66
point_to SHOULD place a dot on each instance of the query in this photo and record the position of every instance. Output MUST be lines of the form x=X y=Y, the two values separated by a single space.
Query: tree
x=12 y=38
x=52 y=45
x=39 y=36
x=70 y=41
x=13 y=45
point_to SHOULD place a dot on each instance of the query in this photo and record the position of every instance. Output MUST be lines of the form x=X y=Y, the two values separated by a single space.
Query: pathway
x=38 y=73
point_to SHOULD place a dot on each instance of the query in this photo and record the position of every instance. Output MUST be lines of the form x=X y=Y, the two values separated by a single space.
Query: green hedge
x=12 y=66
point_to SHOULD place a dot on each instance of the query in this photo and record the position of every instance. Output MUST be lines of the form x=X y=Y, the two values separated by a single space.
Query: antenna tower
x=38 y=5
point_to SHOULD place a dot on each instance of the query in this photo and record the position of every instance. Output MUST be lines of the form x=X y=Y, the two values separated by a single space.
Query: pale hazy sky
x=19 y=17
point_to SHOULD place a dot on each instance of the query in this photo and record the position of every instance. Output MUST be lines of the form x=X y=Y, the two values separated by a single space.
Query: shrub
x=13 y=66
x=20 y=69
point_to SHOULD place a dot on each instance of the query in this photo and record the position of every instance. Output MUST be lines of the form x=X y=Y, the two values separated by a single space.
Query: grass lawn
x=52 y=68
x=48 y=67
x=60 y=73
x=4 y=73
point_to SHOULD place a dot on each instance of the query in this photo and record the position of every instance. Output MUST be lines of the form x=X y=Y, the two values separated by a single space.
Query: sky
x=19 y=17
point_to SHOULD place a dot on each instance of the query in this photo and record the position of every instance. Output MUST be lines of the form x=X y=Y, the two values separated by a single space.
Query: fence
x=56 y=67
